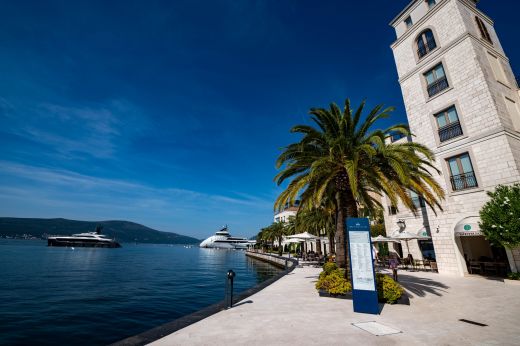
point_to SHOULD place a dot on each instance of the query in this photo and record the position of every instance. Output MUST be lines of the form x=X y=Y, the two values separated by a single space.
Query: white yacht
x=88 y=239
x=223 y=240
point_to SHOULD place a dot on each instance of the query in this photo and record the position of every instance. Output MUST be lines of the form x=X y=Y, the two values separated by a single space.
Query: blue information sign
x=364 y=290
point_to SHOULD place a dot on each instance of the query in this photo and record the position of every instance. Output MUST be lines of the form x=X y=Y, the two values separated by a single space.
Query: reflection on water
x=91 y=296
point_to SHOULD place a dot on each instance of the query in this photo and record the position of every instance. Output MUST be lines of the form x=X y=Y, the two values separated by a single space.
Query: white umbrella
x=382 y=239
x=303 y=236
x=405 y=235
x=292 y=241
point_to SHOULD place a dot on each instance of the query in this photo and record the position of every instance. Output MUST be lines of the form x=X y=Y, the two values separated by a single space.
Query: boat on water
x=88 y=239
x=223 y=240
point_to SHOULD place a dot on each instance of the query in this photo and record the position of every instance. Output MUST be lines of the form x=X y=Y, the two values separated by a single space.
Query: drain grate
x=473 y=322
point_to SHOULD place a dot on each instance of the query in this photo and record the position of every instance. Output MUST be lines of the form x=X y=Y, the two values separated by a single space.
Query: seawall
x=279 y=261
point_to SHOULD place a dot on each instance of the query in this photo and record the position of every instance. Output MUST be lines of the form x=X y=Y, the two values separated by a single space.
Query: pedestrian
x=393 y=265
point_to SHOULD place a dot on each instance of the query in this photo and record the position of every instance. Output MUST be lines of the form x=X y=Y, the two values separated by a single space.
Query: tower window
x=448 y=124
x=462 y=176
x=417 y=200
x=425 y=43
x=512 y=108
x=436 y=80
x=498 y=71
x=408 y=22
x=483 y=30
x=431 y=3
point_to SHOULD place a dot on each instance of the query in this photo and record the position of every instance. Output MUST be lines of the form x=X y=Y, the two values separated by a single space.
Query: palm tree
x=319 y=221
x=275 y=232
x=344 y=158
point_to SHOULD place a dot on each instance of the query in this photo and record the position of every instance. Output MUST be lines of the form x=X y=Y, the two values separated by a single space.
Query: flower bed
x=332 y=283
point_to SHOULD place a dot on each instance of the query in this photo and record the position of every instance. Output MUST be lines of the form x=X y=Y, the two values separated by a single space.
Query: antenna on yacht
x=98 y=229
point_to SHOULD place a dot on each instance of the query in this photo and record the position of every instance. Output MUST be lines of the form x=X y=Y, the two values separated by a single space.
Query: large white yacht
x=88 y=239
x=223 y=240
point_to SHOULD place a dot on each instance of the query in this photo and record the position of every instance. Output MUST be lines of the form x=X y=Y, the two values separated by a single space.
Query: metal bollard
x=229 y=289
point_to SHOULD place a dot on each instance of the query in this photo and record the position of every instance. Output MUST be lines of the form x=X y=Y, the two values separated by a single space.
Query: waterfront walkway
x=290 y=312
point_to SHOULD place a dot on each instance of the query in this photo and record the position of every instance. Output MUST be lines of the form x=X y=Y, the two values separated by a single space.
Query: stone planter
x=512 y=282
x=324 y=293
x=404 y=300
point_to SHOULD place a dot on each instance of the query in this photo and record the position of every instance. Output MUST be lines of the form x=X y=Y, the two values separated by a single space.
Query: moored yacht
x=88 y=239
x=223 y=240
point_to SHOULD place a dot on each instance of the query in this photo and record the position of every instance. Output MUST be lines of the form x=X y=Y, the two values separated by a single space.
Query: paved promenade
x=290 y=312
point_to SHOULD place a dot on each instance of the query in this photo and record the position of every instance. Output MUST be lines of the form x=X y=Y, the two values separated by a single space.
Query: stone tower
x=463 y=102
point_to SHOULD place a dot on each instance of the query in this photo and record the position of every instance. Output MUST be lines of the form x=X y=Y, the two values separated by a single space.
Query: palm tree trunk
x=340 y=232
x=352 y=211
x=331 y=244
x=280 y=250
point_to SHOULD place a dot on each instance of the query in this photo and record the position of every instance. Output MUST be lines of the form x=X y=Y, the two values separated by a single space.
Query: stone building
x=463 y=102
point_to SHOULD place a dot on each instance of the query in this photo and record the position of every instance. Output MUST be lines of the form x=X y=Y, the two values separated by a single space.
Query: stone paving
x=290 y=312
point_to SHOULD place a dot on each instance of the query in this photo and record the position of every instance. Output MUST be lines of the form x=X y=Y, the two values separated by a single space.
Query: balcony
x=463 y=181
x=437 y=86
x=450 y=131
x=425 y=49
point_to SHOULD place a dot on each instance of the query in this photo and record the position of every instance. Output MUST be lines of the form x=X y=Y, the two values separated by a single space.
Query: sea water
x=95 y=296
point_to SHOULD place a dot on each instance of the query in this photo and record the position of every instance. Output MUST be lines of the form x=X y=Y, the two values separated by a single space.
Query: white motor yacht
x=223 y=240
x=88 y=239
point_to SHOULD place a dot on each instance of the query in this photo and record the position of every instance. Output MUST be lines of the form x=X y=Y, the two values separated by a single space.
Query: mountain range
x=122 y=231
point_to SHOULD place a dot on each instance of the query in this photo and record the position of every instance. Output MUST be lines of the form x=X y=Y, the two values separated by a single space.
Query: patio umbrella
x=303 y=236
x=382 y=239
x=405 y=235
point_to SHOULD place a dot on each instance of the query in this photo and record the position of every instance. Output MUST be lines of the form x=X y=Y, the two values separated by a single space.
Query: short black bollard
x=229 y=289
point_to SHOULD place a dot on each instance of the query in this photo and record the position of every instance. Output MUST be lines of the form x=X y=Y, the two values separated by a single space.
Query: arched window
x=483 y=30
x=425 y=43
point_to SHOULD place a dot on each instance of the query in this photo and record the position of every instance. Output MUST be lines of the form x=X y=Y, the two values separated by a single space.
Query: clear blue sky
x=172 y=113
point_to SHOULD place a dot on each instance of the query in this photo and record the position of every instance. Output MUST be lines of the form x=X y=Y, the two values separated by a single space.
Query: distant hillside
x=123 y=231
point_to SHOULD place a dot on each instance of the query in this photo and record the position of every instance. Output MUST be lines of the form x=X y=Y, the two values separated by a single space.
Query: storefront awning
x=468 y=227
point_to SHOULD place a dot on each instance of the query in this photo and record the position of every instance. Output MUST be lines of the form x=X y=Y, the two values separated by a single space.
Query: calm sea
x=87 y=296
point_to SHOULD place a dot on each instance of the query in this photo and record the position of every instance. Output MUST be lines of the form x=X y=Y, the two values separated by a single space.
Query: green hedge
x=388 y=290
x=513 y=276
x=332 y=280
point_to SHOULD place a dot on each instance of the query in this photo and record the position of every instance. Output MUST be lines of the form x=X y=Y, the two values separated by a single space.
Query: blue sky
x=172 y=113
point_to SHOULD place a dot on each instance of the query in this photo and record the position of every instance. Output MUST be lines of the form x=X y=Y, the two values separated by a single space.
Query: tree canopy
x=500 y=216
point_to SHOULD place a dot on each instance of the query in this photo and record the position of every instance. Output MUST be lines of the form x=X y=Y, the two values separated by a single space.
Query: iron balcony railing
x=463 y=181
x=450 y=131
x=437 y=86
x=430 y=45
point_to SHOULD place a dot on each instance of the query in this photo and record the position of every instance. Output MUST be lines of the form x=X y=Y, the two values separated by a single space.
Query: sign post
x=364 y=290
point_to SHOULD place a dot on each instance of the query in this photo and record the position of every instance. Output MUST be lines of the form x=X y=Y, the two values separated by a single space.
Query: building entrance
x=480 y=257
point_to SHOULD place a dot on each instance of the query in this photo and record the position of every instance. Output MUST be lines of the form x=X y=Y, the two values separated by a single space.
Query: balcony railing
x=450 y=131
x=437 y=86
x=463 y=181
x=430 y=45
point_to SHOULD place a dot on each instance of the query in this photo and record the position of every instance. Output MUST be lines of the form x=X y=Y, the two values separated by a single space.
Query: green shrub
x=329 y=267
x=334 y=283
x=388 y=290
x=513 y=276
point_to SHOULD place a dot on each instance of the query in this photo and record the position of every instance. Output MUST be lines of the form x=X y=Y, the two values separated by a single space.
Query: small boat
x=223 y=240
x=88 y=239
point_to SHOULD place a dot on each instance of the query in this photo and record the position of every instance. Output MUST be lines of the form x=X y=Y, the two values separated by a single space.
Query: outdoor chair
x=433 y=266
x=426 y=263
x=474 y=266
x=418 y=264
x=490 y=268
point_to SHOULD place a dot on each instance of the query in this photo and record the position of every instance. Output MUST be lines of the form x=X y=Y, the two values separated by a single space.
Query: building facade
x=463 y=102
